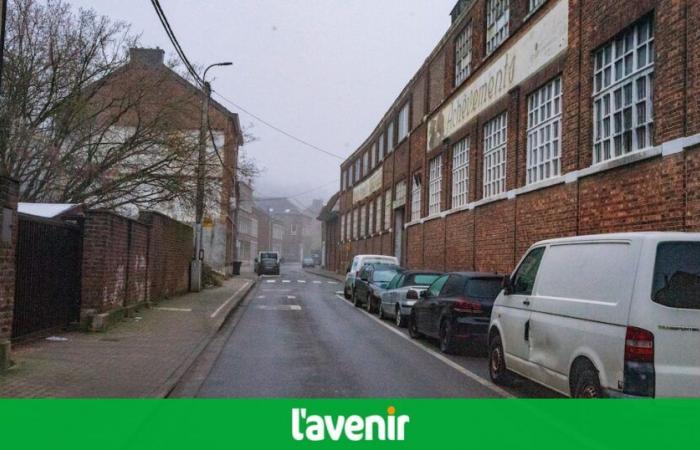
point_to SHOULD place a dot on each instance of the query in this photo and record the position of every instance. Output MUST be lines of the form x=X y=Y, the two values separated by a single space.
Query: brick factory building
x=531 y=119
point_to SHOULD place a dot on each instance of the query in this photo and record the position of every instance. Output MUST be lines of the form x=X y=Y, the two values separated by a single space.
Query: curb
x=172 y=381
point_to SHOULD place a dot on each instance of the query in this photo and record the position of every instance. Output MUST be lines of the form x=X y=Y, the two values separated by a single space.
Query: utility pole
x=198 y=257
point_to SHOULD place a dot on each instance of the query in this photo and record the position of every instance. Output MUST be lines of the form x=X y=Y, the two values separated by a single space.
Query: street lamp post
x=198 y=257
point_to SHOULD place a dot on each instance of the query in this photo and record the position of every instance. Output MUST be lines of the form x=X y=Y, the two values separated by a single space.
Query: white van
x=606 y=315
x=354 y=268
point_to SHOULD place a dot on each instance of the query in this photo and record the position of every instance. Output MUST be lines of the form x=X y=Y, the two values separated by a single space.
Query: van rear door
x=670 y=310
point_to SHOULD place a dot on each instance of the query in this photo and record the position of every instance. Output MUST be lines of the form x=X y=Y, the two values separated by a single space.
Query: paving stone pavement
x=138 y=357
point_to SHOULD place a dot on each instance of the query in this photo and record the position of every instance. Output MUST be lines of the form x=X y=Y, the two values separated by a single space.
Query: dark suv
x=455 y=308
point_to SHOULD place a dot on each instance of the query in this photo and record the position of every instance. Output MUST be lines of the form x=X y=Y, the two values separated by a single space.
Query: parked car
x=455 y=309
x=354 y=268
x=394 y=302
x=371 y=282
x=267 y=263
x=606 y=315
x=308 y=262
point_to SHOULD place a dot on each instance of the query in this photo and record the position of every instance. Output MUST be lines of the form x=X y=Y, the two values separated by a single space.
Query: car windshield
x=483 y=287
x=268 y=256
x=676 y=282
x=384 y=276
x=422 y=279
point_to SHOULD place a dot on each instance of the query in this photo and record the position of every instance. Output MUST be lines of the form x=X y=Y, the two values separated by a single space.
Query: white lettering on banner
x=368 y=187
x=546 y=40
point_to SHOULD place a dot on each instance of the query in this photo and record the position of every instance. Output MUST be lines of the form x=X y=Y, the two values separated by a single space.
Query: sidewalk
x=143 y=356
x=326 y=273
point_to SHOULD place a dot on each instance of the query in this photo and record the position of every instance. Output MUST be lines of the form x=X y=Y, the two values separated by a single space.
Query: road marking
x=223 y=305
x=468 y=373
x=291 y=297
x=163 y=308
x=279 y=307
x=332 y=282
x=271 y=281
x=260 y=296
x=301 y=281
x=286 y=281
x=317 y=282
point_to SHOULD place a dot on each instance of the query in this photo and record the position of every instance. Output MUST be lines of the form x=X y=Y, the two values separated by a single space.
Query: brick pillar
x=8 y=242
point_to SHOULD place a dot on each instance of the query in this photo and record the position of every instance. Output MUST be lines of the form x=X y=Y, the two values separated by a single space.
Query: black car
x=267 y=263
x=371 y=282
x=456 y=308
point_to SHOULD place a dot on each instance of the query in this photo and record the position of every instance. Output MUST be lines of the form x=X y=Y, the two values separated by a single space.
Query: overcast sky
x=322 y=70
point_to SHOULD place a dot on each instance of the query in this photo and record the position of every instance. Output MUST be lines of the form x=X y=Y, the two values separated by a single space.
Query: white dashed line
x=332 y=282
x=291 y=297
x=279 y=307
x=468 y=373
x=286 y=281
x=301 y=281
x=260 y=296
x=271 y=281
x=317 y=282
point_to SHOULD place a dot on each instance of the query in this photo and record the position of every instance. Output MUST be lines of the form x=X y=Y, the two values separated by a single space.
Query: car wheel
x=380 y=311
x=369 y=305
x=413 y=327
x=497 y=363
x=587 y=383
x=399 y=318
x=447 y=339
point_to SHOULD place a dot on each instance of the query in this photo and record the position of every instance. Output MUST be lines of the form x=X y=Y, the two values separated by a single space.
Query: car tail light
x=639 y=372
x=467 y=306
x=639 y=345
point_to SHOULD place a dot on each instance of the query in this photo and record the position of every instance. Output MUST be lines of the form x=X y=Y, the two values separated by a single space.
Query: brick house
x=160 y=88
x=532 y=119
x=247 y=236
x=9 y=192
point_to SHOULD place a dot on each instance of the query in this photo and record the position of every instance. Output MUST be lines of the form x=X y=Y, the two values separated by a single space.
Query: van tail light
x=468 y=306
x=639 y=345
x=639 y=373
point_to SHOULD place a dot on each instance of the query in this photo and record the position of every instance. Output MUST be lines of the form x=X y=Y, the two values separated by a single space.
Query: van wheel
x=447 y=340
x=497 y=363
x=587 y=383
x=413 y=327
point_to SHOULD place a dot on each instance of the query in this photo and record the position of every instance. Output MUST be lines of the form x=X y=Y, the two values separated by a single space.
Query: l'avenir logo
x=313 y=427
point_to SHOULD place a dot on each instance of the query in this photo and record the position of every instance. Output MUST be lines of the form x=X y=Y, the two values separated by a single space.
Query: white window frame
x=293 y=229
x=400 y=192
x=463 y=55
x=434 y=185
x=497 y=23
x=373 y=161
x=358 y=169
x=495 y=144
x=403 y=122
x=623 y=92
x=380 y=149
x=365 y=162
x=390 y=138
x=415 y=200
x=544 y=111
x=342 y=227
x=355 y=223
x=378 y=218
x=387 y=210
x=363 y=221
x=370 y=218
x=532 y=5
x=460 y=173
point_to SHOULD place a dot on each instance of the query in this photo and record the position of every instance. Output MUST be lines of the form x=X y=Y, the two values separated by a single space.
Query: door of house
x=398 y=234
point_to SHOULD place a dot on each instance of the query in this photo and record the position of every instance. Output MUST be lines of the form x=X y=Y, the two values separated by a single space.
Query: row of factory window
x=622 y=123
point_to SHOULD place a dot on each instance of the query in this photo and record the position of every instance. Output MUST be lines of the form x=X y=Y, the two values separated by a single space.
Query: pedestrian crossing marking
x=279 y=307
x=286 y=281
x=301 y=281
x=291 y=297
x=332 y=282
x=317 y=282
x=271 y=281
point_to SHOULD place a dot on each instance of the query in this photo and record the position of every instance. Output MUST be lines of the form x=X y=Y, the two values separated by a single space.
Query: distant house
x=293 y=219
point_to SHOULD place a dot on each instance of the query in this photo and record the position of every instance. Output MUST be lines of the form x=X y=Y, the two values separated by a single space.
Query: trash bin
x=237 y=267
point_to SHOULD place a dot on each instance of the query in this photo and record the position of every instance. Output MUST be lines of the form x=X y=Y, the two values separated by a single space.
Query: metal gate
x=47 y=289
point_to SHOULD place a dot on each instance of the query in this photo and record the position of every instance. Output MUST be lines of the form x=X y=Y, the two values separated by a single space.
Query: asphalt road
x=295 y=336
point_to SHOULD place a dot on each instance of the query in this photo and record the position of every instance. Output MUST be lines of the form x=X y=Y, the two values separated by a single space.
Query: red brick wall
x=8 y=201
x=169 y=255
x=126 y=262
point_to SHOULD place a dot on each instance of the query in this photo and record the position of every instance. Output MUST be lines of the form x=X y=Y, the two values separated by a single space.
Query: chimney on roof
x=146 y=56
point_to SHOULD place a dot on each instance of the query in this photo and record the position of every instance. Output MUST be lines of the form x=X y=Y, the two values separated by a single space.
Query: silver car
x=397 y=302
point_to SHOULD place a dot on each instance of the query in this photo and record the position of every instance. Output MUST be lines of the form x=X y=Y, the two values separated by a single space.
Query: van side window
x=676 y=281
x=524 y=279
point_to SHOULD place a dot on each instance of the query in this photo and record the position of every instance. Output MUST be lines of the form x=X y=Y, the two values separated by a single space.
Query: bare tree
x=75 y=128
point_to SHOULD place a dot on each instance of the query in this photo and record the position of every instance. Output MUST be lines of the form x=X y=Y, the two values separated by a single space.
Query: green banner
x=302 y=423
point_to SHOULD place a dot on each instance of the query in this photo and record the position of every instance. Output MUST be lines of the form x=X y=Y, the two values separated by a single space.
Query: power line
x=279 y=130
x=301 y=193
x=173 y=39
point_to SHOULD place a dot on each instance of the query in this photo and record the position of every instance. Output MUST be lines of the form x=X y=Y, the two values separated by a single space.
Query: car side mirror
x=364 y=277
x=412 y=295
x=507 y=285
x=347 y=270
